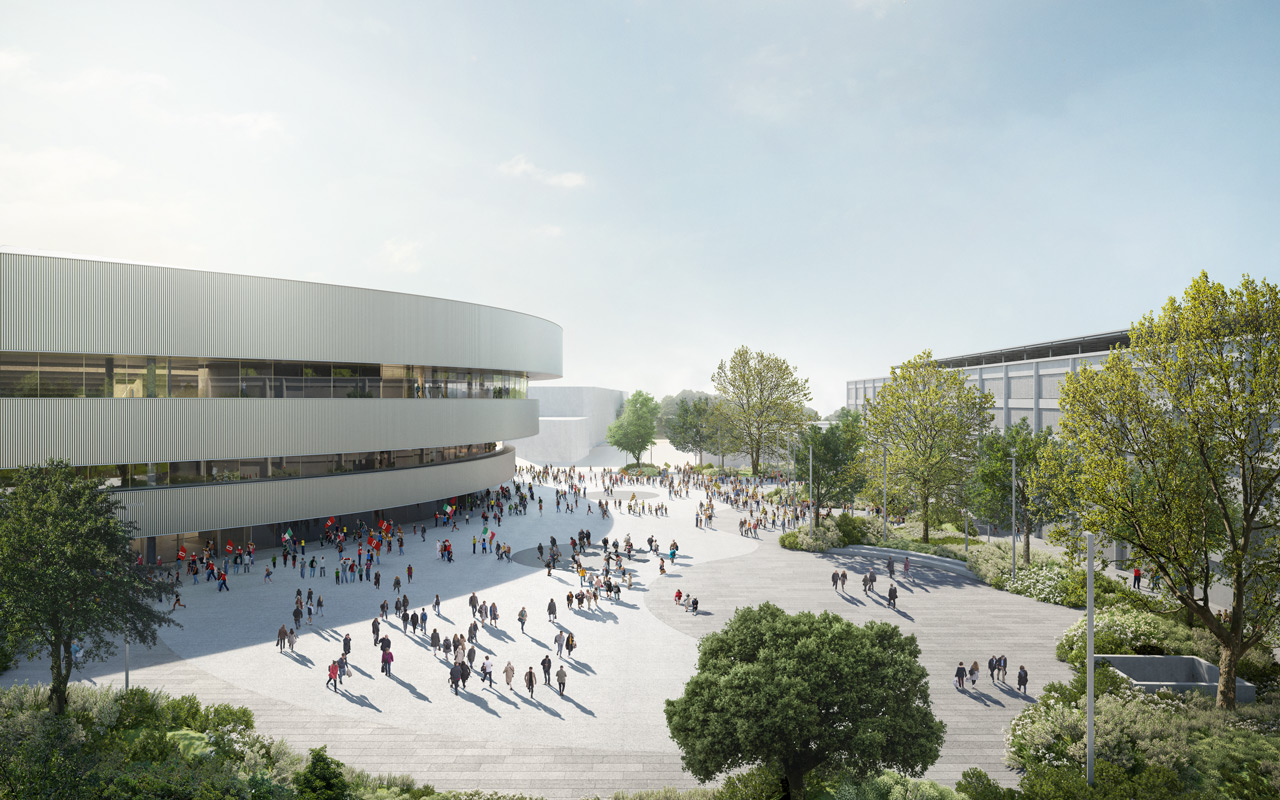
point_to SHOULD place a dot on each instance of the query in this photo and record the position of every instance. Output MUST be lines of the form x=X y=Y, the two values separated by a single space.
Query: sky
x=844 y=184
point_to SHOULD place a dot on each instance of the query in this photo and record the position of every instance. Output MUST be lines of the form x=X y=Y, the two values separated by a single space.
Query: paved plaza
x=608 y=732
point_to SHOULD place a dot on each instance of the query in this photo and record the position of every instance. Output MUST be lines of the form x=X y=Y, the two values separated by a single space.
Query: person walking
x=177 y=601
x=530 y=681
x=1002 y=664
x=486 y=672
x=1022 y=679
x=561 y=677
x=993 y=664
x=293 y=639
x=844 y=576
x=551 y=610
x=973 y=673
x=346 y=645
x=333 y=676
x=835 y=581
x=546 y=669
x=455 y=677
x=522 y=617
x=1137 y=578
x=893 y=596
x=509 y=672
x=376 y=626
x=282 y=637
x=387 y=658
x=958 y=682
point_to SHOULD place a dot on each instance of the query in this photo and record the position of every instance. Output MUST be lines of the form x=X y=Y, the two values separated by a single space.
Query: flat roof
x=1077 y=345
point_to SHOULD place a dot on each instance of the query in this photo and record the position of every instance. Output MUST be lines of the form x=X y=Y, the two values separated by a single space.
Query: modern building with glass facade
x=1025 y=380
x=229 y=407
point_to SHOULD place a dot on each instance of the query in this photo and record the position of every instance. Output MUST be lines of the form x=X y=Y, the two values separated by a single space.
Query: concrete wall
x=571 y=421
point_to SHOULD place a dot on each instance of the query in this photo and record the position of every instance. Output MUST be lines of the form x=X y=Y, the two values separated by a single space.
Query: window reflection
x=123 y=376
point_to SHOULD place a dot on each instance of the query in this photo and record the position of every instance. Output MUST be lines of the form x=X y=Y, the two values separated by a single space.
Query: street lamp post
x=1013 y=493
x=813 y=505
x=1089 y=665
x=884 y=509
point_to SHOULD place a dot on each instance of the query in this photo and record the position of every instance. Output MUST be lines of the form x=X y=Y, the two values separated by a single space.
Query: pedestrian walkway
x=608 y=732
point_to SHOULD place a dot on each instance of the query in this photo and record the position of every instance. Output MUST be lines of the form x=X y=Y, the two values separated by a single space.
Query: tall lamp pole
x=1089 y=665
x=884 y=507
x=813 y=505
x=1013 y=493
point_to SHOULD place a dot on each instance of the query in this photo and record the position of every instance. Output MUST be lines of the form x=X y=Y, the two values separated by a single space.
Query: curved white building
x=228 y=406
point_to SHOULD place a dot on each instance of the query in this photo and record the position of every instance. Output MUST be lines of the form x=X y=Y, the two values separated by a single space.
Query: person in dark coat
x=455 y=676
x=376 y=627
x=1022 y=679
x=282 y=636
x=961 y=674
x=346 y=645
x=893 y=596
x=435 y=640
x=546 y=669
x=530 y=681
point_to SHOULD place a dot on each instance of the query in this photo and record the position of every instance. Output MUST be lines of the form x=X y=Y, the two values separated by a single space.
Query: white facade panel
x=88 y=431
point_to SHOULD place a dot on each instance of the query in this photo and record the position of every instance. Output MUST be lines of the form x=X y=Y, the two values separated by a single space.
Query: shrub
x=321 y=779
x=757 y=783
x=824 y=537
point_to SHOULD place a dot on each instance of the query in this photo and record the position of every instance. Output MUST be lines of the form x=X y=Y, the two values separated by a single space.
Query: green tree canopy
x=67 y=573
x=837 y=459
x=762 y=401
x=990 y=488
x=930 y=422
x=690 y=430
x=635 y=429
x=322 y=778
x=1178 y=446
x=799 y=692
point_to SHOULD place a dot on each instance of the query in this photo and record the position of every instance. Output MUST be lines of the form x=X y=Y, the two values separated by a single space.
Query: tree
x=799 y=692
x=634 y=430
x=1177 y=439
x=991 y=486
x=322 y=778
x=67 y=573
x=690 y=430
x=762 y=400
x=837 y=459
x=929 y=419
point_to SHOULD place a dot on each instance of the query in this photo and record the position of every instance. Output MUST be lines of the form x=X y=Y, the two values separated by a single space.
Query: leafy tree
x=837 y=469
x=66 y=573
x=322 y=778
x=671 y=403
x=990 y=489
x=930 y=422
x=762 y=399
x=1177 y=439
x=689 y=430
x=799 y=692
x=634 y=430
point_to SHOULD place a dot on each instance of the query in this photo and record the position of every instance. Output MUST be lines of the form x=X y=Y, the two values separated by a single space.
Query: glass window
x=127 y=377
x=184 y=377
x=396 y=381
x=219 y=378
x=155 y=380
x=187 y=472
x=19 y=375
x=99 y=376
x=144 y=475
x=408 y=458
x=225 y=470
x=256 y=379
x=348 y=383
x=61 y=375
x=310 y=466
x=319 y=381
x=253 y=469
x=289 y=381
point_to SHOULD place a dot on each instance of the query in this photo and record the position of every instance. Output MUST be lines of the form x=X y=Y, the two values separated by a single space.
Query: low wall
x=1179 y=673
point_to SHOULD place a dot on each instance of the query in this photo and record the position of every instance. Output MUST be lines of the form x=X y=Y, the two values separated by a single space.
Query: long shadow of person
x=359 y=700
x=413 y=690
x=477 y=700
x=578 y=705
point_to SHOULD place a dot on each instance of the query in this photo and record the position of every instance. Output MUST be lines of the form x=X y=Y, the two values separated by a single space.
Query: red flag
x=329 y=524
x=230 y=548
x=371 y=540
x=386 y=526
x=182 y=554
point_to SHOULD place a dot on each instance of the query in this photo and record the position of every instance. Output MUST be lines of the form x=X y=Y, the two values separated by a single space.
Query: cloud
x=521 y=167
x=400 y=256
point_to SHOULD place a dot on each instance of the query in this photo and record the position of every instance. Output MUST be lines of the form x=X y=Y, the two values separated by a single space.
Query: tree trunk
x=795 y=782
x=1227 y=661
x=59 y=673
x=1026 y=543
x=924 y=506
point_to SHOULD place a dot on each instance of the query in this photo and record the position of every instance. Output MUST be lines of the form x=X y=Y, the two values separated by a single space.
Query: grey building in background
x=230 y=407
x=1025 y=380
x=571 y=421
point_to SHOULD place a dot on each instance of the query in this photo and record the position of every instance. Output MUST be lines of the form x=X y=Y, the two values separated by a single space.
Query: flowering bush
x=824 y=537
